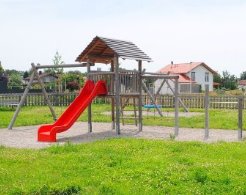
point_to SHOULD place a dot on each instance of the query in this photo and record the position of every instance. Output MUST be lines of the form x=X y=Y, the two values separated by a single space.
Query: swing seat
x=148 y=106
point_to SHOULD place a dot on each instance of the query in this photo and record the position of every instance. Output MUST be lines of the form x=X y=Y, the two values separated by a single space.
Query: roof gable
x=184 y=68
x=242 y=82
x=103 y=50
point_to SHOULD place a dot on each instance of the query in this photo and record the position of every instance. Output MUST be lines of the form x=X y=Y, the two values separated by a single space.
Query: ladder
x=123 y=104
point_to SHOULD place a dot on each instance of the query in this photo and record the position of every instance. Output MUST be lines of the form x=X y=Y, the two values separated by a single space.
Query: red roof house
x=191 y=73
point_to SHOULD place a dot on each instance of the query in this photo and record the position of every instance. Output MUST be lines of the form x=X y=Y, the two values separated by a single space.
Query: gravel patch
x=26 y=137
x=165 y=114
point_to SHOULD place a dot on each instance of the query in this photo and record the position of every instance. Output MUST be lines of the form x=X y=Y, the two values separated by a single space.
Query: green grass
x=219 y=119
x=125 y=166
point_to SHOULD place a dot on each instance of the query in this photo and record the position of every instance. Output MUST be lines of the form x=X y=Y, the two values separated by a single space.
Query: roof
x=242 y=82
x=103 y=50
x=184 y=68
x=42 y=75
x=185 y=79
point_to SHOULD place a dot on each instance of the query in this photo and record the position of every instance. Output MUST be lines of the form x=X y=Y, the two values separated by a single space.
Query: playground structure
x=119 y=83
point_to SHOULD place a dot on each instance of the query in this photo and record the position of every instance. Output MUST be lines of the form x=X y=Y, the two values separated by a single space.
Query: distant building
x=242 y=84
x=193 y=77
x=3 y=83
x=45 y=77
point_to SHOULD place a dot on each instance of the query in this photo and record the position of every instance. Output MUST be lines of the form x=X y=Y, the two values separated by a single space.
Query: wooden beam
x=240 y=118
x=113 y=98
x=152 y=98
x=182 y=103
x=63 y=66
x=89 y=106
x=117 y=94
x=44 y=91
x=206 y=105
x=21 y=103
x=176 y=94
x=100 y=57
x=140 y=104
x=159 y=89
x=160 y=77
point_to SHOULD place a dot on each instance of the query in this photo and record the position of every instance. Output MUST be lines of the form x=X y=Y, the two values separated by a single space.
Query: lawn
x=125 y=166
x=219 y=119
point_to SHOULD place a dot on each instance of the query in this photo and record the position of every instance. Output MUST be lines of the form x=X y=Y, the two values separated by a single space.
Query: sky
x=211 y=31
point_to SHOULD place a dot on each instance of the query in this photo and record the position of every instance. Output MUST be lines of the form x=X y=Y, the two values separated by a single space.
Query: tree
x=57 y=60
x=15 y=80
x=228 y=81
x=56 y=71
x=73 y=80
x=26 y=74
x=217 y=78
x=1 y=69
x=243 y=75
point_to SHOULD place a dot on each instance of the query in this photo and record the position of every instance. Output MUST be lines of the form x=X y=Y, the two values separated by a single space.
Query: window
x=193 y=76
x=206 y=77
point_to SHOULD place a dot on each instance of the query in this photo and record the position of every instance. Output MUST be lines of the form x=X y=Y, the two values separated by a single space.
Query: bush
x=72 y=85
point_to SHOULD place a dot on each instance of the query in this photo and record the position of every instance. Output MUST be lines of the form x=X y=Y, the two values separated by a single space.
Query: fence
x=197 y=101
x=64 y=99
x=37 y=99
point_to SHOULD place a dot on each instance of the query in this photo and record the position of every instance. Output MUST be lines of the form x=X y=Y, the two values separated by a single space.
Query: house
x=45 y=77
x=242 y=84
x=193 y=77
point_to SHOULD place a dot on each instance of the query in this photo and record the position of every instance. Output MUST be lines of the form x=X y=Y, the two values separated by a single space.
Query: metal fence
x=64 y=99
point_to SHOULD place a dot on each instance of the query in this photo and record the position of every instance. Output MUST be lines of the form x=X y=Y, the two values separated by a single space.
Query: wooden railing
x=128 y=81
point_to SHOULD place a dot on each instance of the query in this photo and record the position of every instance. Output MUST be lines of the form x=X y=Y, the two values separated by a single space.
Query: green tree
x=15 y=80
x=228 y=81
x=26 y=74
x=73 y=80
x=56 y=71
x=57 y=60
x=217 y=78
x=243 y=75
x=1 y=69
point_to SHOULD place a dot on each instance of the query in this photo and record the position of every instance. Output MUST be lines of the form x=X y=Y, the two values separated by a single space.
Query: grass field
x=126 y=166
x=219 y=119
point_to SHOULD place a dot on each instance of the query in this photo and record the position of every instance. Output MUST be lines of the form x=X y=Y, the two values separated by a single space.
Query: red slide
x=47 y=133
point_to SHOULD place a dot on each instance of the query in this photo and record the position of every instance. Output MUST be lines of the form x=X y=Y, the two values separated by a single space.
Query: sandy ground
x=26 y=137
x=167 y=114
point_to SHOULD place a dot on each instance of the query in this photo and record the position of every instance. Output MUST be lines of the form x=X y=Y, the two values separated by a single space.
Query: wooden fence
x=64 y=99
x=197 y=101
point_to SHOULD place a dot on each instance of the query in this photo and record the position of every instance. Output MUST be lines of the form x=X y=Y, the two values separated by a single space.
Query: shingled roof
x=184 y=68
x=103 y=50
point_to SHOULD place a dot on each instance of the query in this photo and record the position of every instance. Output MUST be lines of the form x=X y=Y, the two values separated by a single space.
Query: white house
x=193 y=77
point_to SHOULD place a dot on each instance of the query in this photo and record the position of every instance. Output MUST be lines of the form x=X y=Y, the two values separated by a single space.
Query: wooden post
x=44 y=91
x=160 y=87
x=89 y=106
x=117 y=94
x=22 y=101
x=240 y=118
x=152 y=99
x=112 y=99
x=176 y=100
x=181 y=102
x=206 y=105
x=140 y=104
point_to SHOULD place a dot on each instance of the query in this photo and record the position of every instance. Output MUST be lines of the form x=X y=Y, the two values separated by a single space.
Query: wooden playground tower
x=127 y=83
